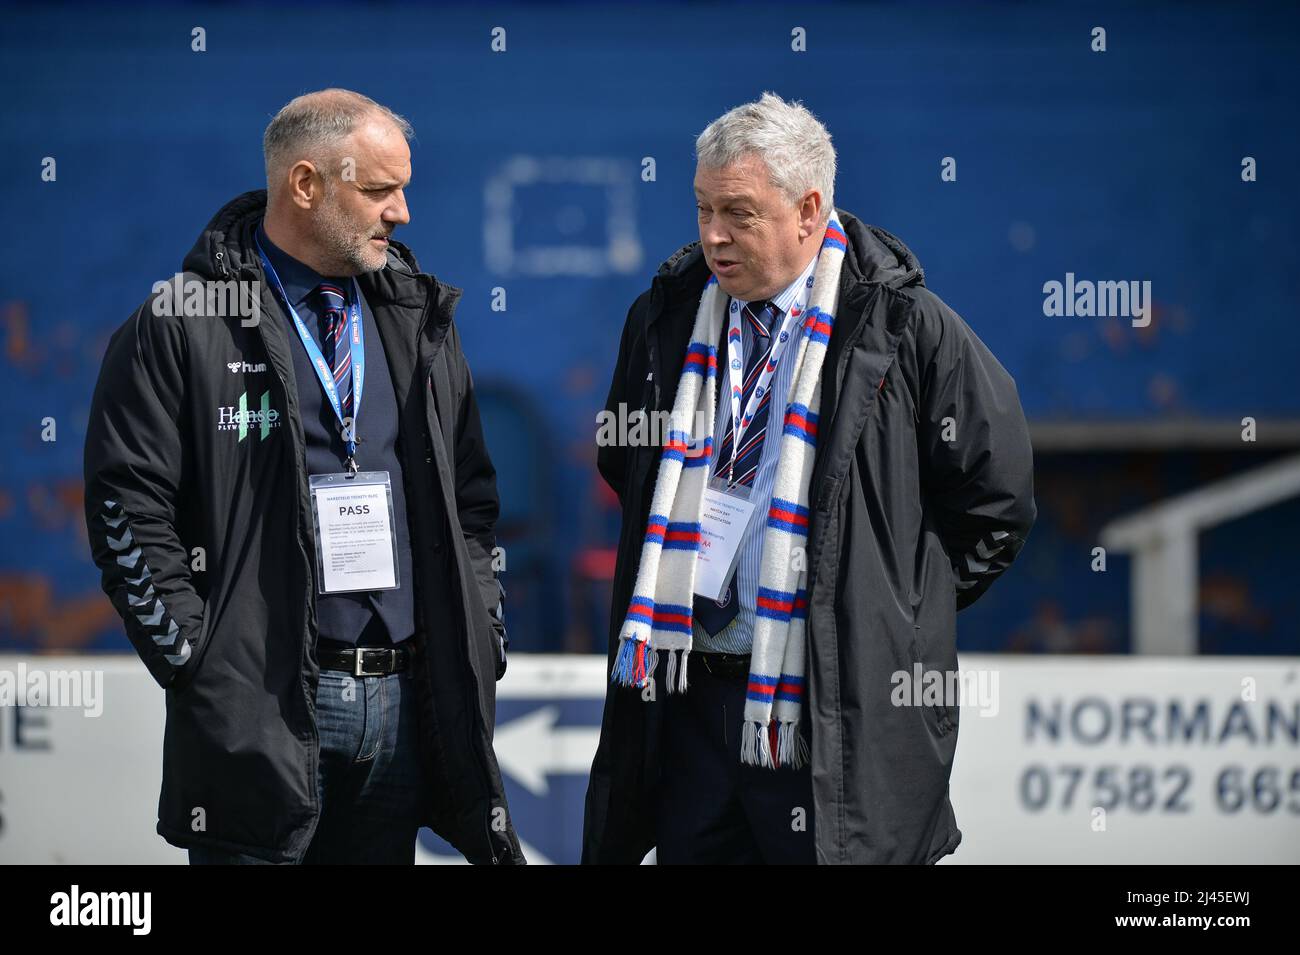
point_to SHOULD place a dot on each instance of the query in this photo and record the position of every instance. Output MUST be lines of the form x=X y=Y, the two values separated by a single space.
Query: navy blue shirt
x=377 y=617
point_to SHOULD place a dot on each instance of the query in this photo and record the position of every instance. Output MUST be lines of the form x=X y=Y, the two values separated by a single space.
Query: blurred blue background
x=528 y=177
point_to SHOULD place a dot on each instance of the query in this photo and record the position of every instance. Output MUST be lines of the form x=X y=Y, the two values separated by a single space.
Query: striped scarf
x=659 y=615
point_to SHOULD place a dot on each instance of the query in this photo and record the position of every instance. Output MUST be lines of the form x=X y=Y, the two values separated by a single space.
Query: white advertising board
x=1060 y=760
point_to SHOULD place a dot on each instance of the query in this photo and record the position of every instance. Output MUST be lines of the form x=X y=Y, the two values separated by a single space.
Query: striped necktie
x=760 y=317
x=336 y=345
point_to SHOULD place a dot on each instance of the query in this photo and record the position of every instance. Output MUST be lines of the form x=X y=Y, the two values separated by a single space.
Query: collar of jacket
x=873 y=258
x=225 y=250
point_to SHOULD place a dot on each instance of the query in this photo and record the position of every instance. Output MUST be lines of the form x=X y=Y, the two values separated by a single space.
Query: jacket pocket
x=197 y=651
x=943 y=714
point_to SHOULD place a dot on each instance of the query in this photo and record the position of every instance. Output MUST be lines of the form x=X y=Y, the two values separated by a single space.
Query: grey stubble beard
x=346 y=250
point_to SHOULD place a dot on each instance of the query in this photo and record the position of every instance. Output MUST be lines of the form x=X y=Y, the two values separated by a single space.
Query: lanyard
x=318 y=363
x=736 y=369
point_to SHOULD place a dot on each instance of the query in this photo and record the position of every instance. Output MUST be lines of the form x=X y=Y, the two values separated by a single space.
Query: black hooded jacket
x=199 y=517
x=922 y=494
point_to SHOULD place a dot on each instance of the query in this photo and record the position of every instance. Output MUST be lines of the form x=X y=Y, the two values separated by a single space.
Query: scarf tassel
x=676 y=676
x=635 y=663
x=791 y=747
x=757 y=742
x=755 y=745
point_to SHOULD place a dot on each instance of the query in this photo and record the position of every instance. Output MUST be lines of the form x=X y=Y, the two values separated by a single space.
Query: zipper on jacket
x=297 y=520
x=652 y=355
x=297 y=497
x=842 y=364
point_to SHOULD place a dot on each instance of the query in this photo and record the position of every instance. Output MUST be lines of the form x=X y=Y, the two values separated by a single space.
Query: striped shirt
x=738 y=635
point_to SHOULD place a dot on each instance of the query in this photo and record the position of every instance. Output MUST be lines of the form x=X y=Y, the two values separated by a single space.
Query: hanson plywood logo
x=259 y=420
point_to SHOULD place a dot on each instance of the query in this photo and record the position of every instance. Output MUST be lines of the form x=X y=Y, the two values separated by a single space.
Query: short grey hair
x=312 y=126
x=791 y=142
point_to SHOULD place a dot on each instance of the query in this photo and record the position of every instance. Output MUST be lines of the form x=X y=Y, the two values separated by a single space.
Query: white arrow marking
x=121 y=543
x=153 y=619
x=169 y=638
x=532 y=746
x=140 y=601
x=178 y=659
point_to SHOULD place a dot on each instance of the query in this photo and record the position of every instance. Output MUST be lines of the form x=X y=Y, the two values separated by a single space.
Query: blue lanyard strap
x=323 y=371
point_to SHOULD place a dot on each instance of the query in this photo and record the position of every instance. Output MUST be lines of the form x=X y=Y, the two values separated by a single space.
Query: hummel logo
x=246 y=367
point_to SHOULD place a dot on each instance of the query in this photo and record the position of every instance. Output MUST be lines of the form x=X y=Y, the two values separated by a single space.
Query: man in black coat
x=920 y=494
x=293 y=508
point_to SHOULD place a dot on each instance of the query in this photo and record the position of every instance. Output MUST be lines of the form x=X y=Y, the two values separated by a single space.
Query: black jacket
x=203 y=532
x=907 y=527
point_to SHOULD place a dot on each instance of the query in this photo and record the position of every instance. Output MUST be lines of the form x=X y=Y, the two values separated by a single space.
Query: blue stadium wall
x=1116 y=165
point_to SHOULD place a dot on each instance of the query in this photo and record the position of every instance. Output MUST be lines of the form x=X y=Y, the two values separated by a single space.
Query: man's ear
x=305 y=186
x=810 y=212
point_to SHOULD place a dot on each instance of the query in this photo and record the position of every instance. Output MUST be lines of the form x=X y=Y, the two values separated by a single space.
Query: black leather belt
x=725 y=666
x=366 y=661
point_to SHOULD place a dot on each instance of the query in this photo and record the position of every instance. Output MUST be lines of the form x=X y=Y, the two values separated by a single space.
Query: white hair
x=790 y=141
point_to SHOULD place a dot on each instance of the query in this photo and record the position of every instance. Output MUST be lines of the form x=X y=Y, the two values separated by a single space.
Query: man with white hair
x=846 y=466
x=293 y=509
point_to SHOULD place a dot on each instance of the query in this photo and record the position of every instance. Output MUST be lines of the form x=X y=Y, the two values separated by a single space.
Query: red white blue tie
x=336 y=345
x=760 y=317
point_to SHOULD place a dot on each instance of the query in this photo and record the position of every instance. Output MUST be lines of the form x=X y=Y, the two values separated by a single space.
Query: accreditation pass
x=722 y=529
x=356 y=543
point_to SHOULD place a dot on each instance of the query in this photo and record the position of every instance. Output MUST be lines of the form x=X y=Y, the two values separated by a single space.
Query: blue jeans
x=372 y=780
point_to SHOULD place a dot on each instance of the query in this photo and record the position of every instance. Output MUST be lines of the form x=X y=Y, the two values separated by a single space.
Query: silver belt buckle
x=358 y=661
